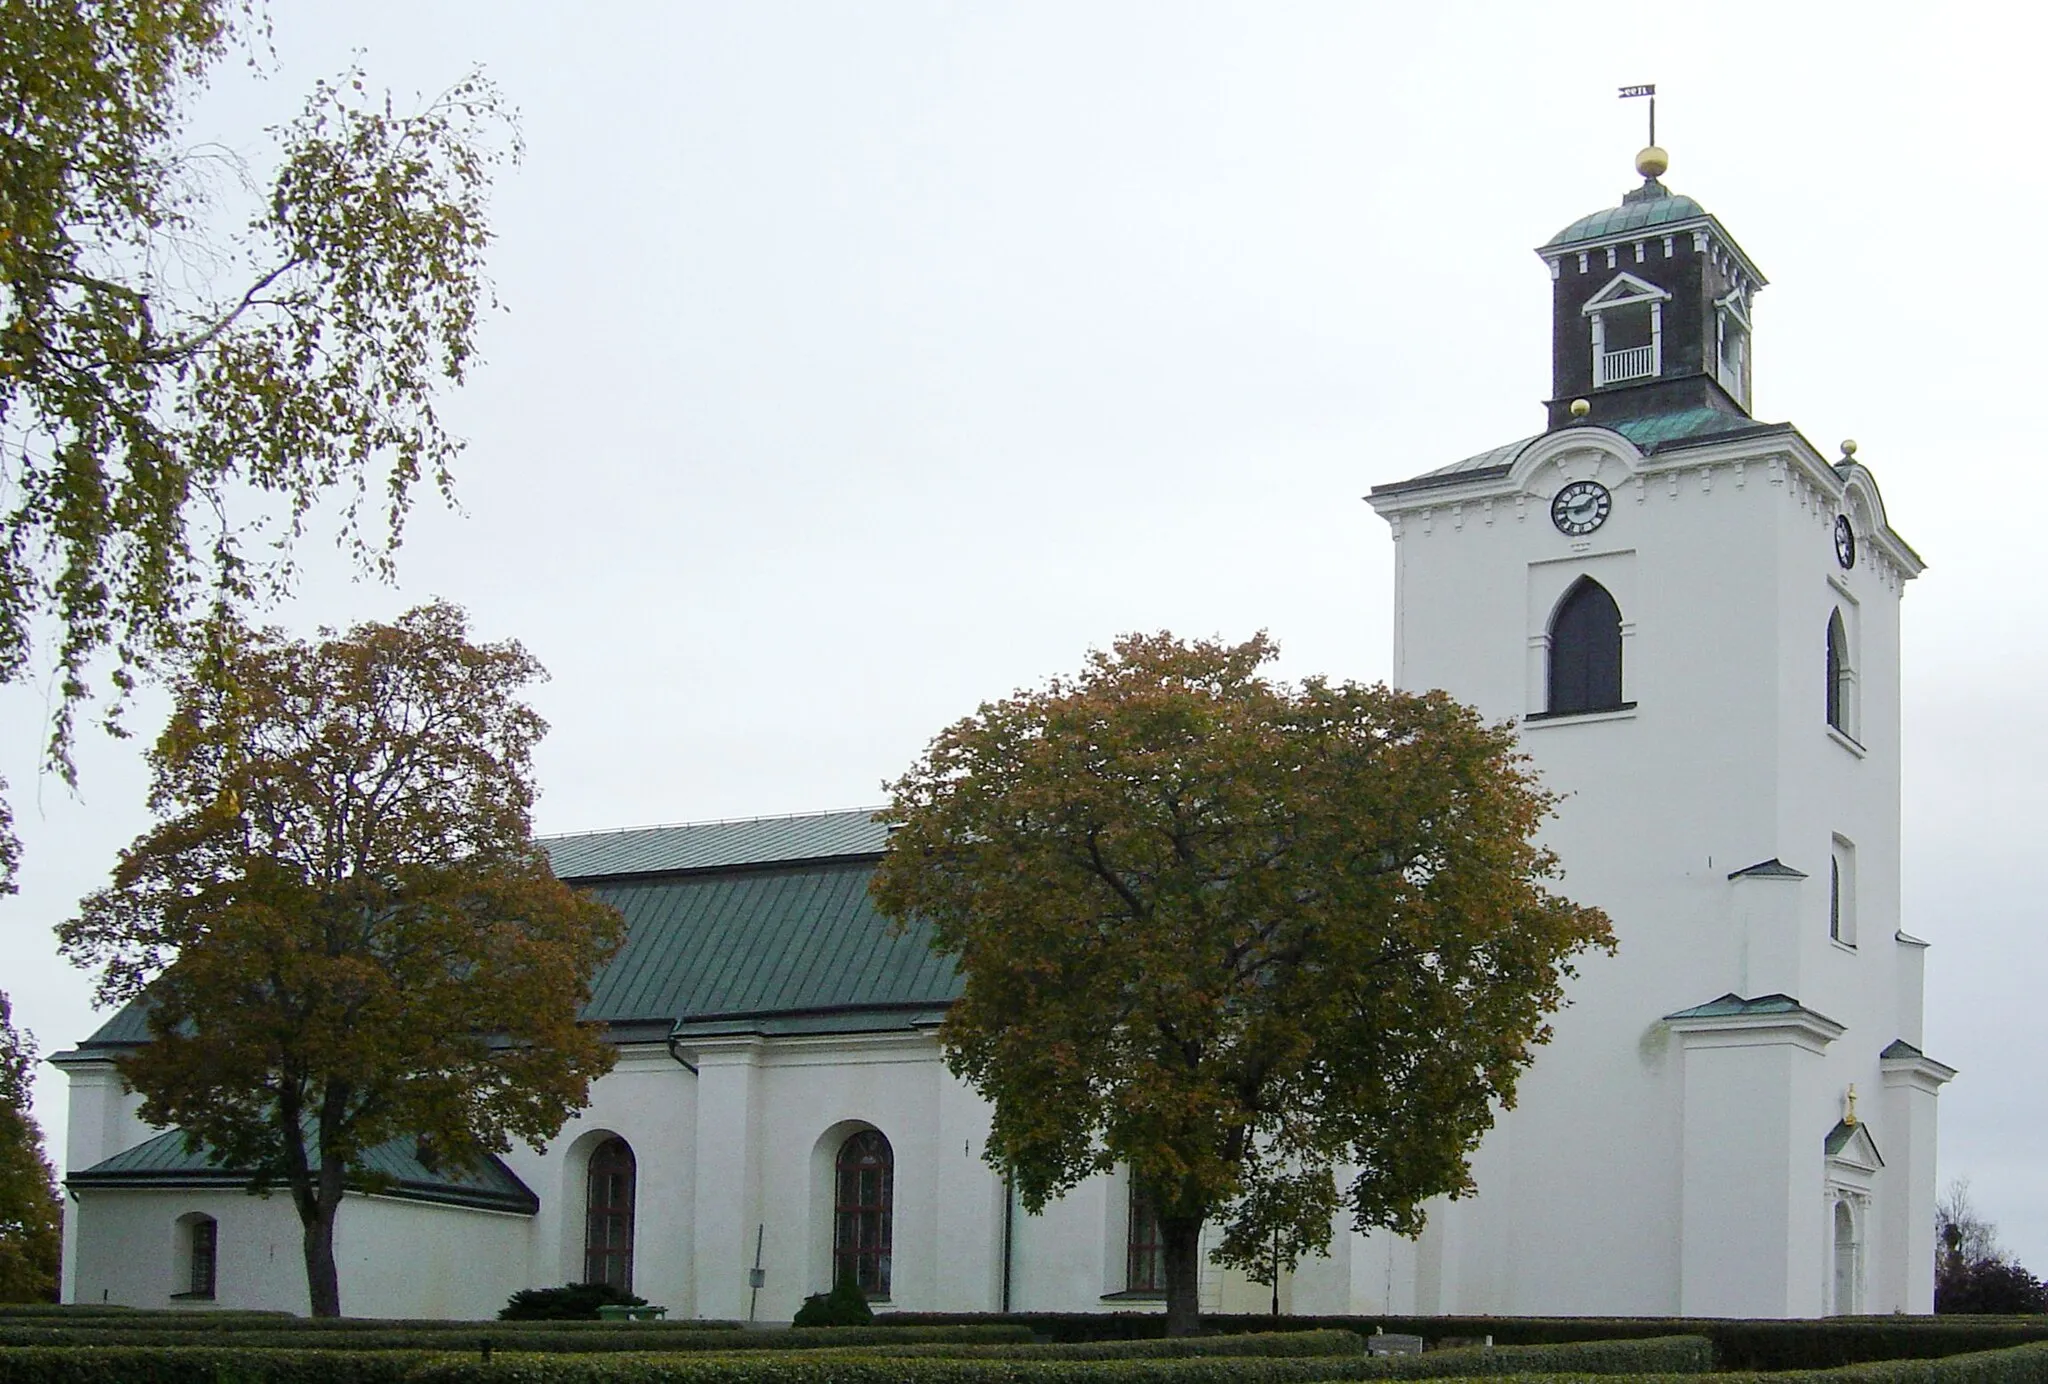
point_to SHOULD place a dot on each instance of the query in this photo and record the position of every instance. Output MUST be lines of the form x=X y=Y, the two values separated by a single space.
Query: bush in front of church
x=572 y=1302
x=1987 y=1286
x=845 y=1305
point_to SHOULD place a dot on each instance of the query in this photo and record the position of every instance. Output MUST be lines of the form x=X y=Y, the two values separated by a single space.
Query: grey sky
x=864 y=361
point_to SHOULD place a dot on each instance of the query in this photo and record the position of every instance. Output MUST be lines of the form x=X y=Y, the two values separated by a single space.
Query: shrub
x=845 y=1305
x=1317 y=1343
x=571 y=1302
x=527 y=1337
x=201 y=1365
x=1987 y=1286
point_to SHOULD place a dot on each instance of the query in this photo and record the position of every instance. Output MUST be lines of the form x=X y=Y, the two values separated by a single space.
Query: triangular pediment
x=1625 y=288
x=1850 y=1146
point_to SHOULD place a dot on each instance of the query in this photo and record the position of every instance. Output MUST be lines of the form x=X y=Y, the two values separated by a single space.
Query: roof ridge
x=868 y=810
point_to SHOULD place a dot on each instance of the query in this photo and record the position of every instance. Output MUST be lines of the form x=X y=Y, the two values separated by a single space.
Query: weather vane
x=1648 y=89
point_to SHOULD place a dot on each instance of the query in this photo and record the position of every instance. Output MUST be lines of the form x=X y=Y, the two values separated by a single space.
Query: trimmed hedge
x=201 y=1365
x=1669 y=1355
x=832 y=1367
x=1738 y=1344
x=1260 y=1343
x=197 y=1319
x=1603 y=1359
x=516 y=1336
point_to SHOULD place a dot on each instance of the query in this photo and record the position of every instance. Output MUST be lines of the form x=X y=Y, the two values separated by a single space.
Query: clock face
x=1845 y=542
x=1580 y=507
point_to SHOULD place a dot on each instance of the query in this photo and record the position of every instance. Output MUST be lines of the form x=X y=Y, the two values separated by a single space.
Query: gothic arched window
x=1839 y=675
x=863 y=1193
x=1585 y=651
x=608 y=1215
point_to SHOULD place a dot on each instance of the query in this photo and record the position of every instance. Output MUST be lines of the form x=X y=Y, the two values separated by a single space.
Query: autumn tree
x=194 y=352
x=1247 y=939
x=341 y=926
x=31 y=1212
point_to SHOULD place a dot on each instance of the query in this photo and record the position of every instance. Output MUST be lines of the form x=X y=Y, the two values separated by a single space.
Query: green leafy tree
x=31 y=1211
x=1245 y=938
x=341 y=925
x=176 y=396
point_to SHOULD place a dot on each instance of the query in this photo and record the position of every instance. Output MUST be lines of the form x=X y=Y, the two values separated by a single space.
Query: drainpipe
x=1009 y=1231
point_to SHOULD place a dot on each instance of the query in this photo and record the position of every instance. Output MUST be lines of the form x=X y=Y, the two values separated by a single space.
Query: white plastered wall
x=1721 y=561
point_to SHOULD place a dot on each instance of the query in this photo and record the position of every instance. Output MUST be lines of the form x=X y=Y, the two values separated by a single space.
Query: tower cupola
x=1651 y=304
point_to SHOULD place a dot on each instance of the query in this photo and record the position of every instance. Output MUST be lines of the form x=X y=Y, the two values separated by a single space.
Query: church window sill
x=1136 y=1295
x=1625 y=712
x=1847 y=741
x=1840 y=945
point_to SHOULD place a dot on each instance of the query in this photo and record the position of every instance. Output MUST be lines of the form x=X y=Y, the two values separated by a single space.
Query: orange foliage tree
x=1246 y=939
x=341 y=926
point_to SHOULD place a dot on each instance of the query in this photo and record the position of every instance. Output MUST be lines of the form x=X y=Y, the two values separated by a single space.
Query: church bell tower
x=1692 y=616
x=1650 y=308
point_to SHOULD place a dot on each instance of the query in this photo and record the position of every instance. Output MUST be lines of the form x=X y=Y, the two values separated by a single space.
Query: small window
x=1841 y=678
x=1585 y=651
x=864 y=1192
x=1145 y=1264
x=1734 y=357
x=1842 y=893
x=608 y=1215
x=203 y=1257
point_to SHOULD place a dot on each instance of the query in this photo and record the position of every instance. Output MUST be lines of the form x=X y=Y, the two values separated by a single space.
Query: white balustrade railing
x=1635 y=363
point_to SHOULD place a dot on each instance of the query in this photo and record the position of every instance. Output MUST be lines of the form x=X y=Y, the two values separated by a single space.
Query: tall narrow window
x=1842 y=893
x=608 y=1215
x=1145 y=1270
x=1840 y=684
x=864 y=1190
x=203 y=1257
x=1585 y=651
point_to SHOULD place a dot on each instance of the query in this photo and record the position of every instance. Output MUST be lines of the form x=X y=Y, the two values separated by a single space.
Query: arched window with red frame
x=608 y=1215
x=863 y=1194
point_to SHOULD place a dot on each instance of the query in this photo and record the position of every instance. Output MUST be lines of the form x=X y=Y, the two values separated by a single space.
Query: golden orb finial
x=1652 y=162
x=1848 y=448
x=1580 y=408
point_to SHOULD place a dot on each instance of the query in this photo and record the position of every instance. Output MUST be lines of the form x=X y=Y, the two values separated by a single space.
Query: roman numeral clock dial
x=1580 y=508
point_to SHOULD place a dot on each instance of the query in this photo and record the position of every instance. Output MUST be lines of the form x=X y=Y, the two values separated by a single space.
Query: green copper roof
x=796 y=939
x=714 y=845
x=734 y=919
x=1648 y=207
x=1732 y=1005
x=165 y=1161
x=1773 y=868
x=1651 y=434
x=1657 y=431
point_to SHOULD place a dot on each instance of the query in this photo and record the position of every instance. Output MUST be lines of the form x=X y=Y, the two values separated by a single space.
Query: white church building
x=1694 y=617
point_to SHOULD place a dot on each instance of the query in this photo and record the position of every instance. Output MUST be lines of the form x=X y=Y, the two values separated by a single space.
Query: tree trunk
x=1181 y=1243
x=316 y=1215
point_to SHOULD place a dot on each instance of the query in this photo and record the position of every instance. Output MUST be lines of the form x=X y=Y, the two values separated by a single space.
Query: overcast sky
x=863 y=361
